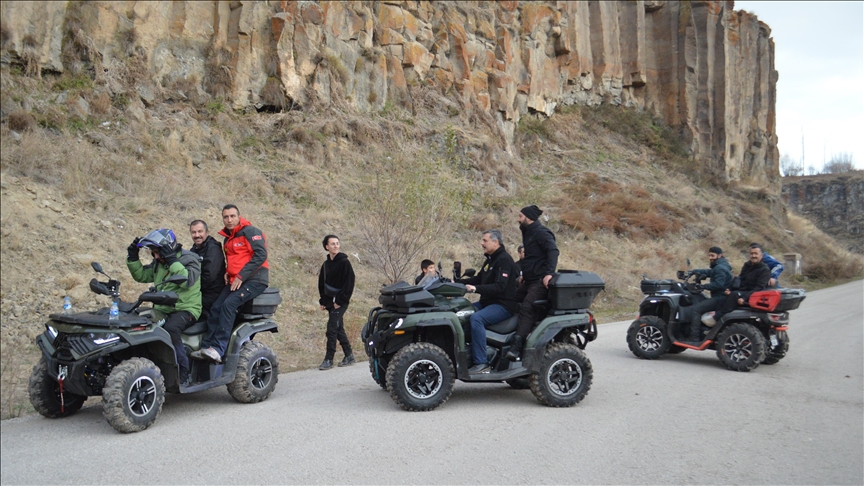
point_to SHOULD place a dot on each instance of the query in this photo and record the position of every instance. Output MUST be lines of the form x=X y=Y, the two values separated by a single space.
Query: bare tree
x=839 y=163
x=789 y=166
x=404 y=207
x=811 y=170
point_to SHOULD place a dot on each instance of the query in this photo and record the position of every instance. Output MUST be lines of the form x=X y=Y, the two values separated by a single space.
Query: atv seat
x=198 y=328
x=506 y=326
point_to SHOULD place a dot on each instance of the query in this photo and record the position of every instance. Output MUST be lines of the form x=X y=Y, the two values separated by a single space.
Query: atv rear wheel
x=257 y=373
x=133 y=395
x=420 y=377
x=741 y=347
x=522 y=383
x=773 y=354
x=647 y=337
x=381 y=376
x=564 y=377
x=45 y=394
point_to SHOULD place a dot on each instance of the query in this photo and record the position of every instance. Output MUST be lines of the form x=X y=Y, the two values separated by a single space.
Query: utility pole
x=802 y=150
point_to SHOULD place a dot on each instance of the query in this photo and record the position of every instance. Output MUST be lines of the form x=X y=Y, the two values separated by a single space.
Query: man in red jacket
x=246 y=277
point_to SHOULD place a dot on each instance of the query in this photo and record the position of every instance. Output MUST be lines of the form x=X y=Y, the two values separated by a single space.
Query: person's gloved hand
x=698 y=287
x=168 y=254
x=132 y=250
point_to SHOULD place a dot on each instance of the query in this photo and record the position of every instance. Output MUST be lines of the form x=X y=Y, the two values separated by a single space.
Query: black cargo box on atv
x=790 y=299
x=265 y=304
x=572 y=289
x=403 y=296
x=650 y=286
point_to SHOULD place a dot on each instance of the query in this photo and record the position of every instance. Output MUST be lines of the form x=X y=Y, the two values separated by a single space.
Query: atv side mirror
x=470 y=272
x=98 y=267
x=688 y=264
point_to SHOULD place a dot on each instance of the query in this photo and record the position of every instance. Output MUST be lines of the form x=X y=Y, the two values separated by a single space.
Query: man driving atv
x=170 y=259
x=496 y=284
x=720 y=273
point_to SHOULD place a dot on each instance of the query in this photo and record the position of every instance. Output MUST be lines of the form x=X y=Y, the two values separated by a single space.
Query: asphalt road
x=680 y=419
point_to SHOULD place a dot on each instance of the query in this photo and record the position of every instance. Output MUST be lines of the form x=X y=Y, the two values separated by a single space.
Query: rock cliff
x=833 y=202
x=700 y=66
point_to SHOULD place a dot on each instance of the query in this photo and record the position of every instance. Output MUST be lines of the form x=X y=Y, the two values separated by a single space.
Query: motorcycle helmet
x=158 y=238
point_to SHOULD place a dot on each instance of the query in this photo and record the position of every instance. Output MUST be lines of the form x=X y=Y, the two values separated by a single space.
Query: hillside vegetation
x=83 y=173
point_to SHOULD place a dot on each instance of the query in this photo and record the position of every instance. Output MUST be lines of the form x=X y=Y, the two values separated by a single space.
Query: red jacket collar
x=243 y=223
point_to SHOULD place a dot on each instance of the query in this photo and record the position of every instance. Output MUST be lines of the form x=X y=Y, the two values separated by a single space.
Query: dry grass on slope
x=76 y=190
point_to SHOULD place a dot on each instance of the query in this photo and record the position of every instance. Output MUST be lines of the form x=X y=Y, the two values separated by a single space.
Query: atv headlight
x=103 y=339
x=398 y=323
x=51 y=331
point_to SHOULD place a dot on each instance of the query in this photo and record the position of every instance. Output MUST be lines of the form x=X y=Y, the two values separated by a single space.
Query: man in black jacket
x=335 y=286
x=496 y=284
x=754 y=277
x=720 y=273
x=538 y=267
x=212 y=264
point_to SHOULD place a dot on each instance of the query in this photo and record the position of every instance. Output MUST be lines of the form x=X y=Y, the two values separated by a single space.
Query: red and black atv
x=752 y=334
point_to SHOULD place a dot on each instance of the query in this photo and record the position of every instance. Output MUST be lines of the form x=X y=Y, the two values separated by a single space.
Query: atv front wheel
x=564 y=378
x=257 y=373
x=420 y=377
x=773 y=354
x=45 y=394
x=741 y=347
x=647 y=337
x=133 y=395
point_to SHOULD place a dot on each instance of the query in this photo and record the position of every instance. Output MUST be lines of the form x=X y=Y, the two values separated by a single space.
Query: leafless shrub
x=220 y=73
x=5 y=35
x=30 y=57
x=272 y=95
x=21 y=121
x=101 y=103
x=127 y=41
x=839 y=163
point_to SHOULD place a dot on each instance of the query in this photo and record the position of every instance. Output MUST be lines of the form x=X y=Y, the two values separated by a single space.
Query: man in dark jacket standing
x=538 y=267
x=755 y=275
x=247 y=274
x=212 y=264
x=496 y=284
x=720 y=273
x=335 y=286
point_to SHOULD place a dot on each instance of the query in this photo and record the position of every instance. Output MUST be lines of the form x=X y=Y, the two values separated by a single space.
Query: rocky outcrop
x=701 y=66
x=833 y=202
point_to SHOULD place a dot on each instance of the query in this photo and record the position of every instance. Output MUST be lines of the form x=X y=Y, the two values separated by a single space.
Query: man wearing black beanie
x=720 y=273
x=538 y=266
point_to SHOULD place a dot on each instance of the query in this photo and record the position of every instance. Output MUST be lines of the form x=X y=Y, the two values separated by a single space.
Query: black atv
x=129 y=360
x=750 y=335
x=418 y=343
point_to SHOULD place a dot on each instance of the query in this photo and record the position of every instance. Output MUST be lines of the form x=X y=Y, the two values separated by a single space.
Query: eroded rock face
x=698 y=65
x=833 y=202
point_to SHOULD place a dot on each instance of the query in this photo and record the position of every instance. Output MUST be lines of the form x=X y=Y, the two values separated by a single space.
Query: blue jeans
x=224 y=311
x=483 y=317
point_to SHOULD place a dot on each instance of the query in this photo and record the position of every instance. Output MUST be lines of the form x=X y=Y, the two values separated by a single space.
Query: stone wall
x=833 y=202
x=700 y=65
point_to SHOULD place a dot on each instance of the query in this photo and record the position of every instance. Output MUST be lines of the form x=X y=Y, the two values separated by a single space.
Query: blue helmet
x=158 y=238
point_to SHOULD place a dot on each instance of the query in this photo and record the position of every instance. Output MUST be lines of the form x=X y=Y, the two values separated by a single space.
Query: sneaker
x=479 y=368
x=326 y=364
x=211 y=354
x=347 y=361
x=196 y=355
x=185 y=378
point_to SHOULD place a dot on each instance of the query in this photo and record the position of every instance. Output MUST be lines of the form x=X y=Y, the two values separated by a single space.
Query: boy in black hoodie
x=335 y=286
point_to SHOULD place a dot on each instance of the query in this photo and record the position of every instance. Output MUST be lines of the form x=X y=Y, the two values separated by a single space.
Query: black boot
x=515 y=350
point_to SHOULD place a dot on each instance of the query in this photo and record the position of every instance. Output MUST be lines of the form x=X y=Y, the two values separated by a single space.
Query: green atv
x=417 y=343
x=129 y=360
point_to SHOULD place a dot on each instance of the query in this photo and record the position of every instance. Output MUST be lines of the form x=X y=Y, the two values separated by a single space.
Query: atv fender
x=535 y=346
x=247 y=330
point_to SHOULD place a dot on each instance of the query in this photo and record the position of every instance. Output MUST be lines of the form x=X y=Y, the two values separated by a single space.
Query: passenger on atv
x=496 y=284
x=169 y=259
x=720 y=273
x=754 y=276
